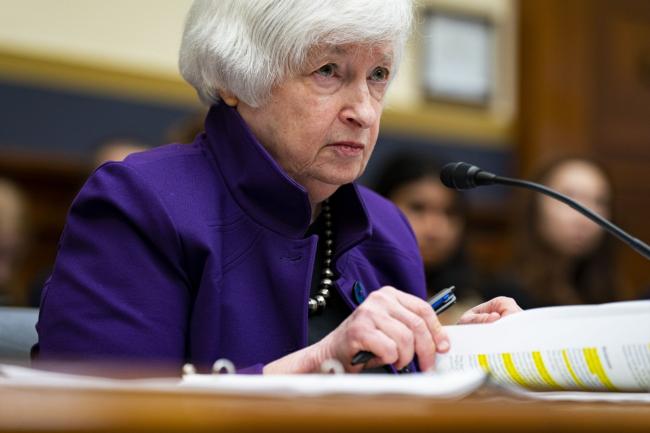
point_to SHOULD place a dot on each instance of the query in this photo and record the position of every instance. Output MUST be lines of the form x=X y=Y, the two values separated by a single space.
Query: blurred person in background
x=437 y=215
x=561 y=257
x=111 y=149
x=116 y=149
x=186 y=130
x=13 y=233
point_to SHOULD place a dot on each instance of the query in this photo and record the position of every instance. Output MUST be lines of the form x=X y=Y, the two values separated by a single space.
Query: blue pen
x=443 y=299
x=439 y=302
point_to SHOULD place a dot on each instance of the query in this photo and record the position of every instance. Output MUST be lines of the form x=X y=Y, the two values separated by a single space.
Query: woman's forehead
x=381 y=52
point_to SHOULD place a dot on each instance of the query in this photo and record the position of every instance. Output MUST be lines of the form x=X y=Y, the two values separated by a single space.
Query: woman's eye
x=379 y=74
x=326 y=70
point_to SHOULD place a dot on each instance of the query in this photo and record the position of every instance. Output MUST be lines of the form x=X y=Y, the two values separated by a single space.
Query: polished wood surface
x=34 y=410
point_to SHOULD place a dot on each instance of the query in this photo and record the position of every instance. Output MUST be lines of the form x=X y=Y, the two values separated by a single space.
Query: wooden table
x=31 y=410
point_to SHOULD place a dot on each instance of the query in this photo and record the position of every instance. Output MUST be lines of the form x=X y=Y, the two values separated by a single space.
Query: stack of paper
x=579 y=348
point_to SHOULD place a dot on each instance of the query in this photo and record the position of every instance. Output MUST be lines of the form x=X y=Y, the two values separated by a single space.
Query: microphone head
x=461 y=175
x=458 y=175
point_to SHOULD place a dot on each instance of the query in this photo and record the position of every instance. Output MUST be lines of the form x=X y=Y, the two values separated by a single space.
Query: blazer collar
x=266 y=193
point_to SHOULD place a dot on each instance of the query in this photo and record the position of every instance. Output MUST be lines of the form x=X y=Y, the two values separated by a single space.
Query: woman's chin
x=340 y=174
x=343 y=178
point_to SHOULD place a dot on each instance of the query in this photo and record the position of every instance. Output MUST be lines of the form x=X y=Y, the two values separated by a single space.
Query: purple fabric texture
x=195 y=252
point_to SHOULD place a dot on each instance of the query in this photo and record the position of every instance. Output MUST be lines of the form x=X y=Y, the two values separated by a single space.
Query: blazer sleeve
x=118 y=290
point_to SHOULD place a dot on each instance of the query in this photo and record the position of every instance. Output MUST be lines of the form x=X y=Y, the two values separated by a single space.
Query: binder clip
x=188 y=369
x=223 y=366
x=331 y=366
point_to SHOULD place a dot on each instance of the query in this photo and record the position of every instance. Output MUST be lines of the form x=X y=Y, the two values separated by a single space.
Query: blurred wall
x=85 y=71
x=128 y=50
x=142 y=35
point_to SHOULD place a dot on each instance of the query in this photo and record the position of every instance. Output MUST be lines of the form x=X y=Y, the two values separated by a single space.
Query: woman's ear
x=230 y=99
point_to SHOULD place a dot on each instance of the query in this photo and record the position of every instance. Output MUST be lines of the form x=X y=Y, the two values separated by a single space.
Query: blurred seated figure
x=116 y=149
x=437 y=216
x=112 y=149
x=12 y=237
x=186 y=130
x=561 y=257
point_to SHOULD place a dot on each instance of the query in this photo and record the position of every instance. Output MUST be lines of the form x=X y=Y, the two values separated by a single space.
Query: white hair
x=246 y=47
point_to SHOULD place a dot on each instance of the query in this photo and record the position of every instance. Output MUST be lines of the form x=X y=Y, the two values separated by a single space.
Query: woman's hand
x=392 y=324
x=490 y=311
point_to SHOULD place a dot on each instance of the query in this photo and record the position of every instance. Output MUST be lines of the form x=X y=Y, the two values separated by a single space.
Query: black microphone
x=461 y=175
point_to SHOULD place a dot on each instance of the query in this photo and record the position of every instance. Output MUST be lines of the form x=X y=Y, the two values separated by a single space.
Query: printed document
x=583 y=348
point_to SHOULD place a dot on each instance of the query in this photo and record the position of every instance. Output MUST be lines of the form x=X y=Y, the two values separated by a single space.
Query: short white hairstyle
x=246 y=47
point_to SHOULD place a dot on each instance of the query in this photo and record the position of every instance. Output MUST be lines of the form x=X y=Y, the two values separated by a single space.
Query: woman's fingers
x=384 y=348
x=410 y=322
x=471 y=317
x=423 y=310
x=425 y=343
x=490 y=311
x=501 y=304
x=403 y=339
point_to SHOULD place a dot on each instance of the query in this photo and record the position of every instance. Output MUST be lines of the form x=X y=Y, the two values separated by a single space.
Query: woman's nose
x=359 y=109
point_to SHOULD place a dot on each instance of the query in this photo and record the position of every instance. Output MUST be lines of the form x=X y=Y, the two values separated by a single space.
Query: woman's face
x=321 y=125
x=429 y=208
x=565 y=230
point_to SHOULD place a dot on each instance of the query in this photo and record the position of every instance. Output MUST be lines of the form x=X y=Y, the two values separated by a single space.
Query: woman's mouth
x=348 y=148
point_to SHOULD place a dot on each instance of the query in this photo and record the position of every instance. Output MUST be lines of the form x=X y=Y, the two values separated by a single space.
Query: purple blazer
x=194 y=252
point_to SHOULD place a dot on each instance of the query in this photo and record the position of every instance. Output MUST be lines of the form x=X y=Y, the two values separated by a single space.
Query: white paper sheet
x=448 y=386
x=23 y=377
x=611 y=397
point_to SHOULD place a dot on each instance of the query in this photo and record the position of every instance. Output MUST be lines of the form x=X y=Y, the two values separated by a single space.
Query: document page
x=444 y=386
x=585 y=348
x=447 y=386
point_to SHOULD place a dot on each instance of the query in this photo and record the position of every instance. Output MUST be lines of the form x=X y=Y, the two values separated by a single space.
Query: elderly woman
x=253 y=243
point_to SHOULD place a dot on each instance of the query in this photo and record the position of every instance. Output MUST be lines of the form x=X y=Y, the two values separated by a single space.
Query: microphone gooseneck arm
x=460 y=175
x=635 y=243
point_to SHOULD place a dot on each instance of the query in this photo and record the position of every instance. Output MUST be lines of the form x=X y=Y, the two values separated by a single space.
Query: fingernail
x=443 y=346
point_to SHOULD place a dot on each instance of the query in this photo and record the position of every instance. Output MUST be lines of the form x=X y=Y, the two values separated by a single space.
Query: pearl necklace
x=317 y=303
